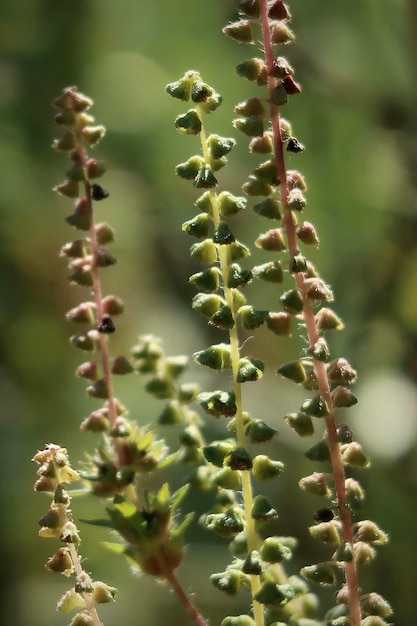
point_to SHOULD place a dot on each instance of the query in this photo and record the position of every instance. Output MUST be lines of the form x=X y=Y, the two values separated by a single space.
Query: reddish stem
x=312 y=333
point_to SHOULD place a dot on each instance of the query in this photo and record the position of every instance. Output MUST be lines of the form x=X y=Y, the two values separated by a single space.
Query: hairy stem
x=76 y=561
x=320 y=369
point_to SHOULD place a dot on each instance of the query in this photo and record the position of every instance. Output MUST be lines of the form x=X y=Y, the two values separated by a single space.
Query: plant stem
x=320 y=368
x=76 y=561
x=253 y=540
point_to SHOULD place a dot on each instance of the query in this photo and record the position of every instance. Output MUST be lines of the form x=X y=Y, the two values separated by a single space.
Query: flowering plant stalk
x=234 y=469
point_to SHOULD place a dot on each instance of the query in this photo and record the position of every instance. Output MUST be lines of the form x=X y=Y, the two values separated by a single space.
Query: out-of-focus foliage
x=357 y=118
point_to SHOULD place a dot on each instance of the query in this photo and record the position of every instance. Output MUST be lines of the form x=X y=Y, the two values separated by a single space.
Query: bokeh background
x=357 y=62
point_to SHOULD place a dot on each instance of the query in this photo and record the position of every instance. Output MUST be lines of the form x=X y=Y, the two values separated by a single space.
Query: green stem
x=320 y=368
x=76 y=562
x=253 y=540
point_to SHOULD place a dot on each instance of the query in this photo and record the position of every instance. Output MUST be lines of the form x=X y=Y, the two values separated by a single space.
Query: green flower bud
x=252 y=126
x=265 y=468
x=82 y=313
x=96 y=422
x=229 y=582
x=326 y=319
x=279 y=323
x=252 y=564
x=223 y=318
x=160 y=387
x=374 y=604
x=326 y=532
x=237 y=251
x=207 y=305
x=237 y=276
x=296 y=200
x=69 y=533
x=271 y=594
x=201 y=92
x=262 y=510
x=60 y=562
x=104 y=233
x=340 y=371
x=319 y=452
x=171 y=414
x=343 y=397
x=322 y=573
x=93 y=134
x=256 y=187
x=67 y=117
x=354 y=495
x=316 y=407
x=353 y=455
x=191 y=437
x=70 y=601
x=181 y=89
x=301 y=423
x=253 y=69
x=198 y=226
x=74 y=249
x=77 y=173
x=238 y=298
x=279 y=95
x=252 y=318
x=187 y=392
x=216 y=452
x=69 y=188
x=189 y=123
x=104 y=258
x=269 y=208
x=98 y=389
x=223 y=235
x=259 y=432
x=249 y=370
x=205 y=178
x=227 y=524
x=274 y=551
x=189 y=169
x=229 y=204
x=103 y=593
x=250 y=107
x=238 y=459
x=281 y=68
x=271 y=241
x=297 y=263
x=295 y=146
x=216 y=357
x=95 y=168
x=67 y=142
x=218 y=403
x=251 y=9
x=318 y=290
x=204 y=251
x=280 y=33
x=294 y=371
x=269 y=272
x=219 y=146
x=369 y=532
x=85 y=341
x=363 y=553
x=87 y=370
x=292 y=301
x=227 y=478
x=262 y=145
x=267 y=172
x=241 y=31
x=208 y=280
x=316 y=484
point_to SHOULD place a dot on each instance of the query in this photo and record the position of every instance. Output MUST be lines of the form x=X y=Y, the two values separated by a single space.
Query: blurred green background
x=357 y=62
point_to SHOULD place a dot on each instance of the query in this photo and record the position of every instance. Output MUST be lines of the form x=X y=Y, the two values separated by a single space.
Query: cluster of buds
x=326 y=378
x=54 y=473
